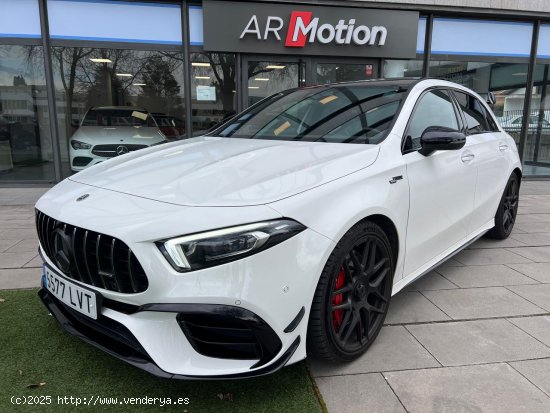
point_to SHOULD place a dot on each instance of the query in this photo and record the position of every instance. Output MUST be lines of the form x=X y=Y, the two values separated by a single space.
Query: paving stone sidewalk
x=471 y=336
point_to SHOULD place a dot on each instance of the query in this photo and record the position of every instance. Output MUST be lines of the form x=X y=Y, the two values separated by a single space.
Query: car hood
x=211 y=171
x=128 y=134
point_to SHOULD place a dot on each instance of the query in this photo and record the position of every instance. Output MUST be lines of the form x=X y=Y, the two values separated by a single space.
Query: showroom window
x=25 y=139
x=537 y=145
x=213 y=89
x=343 y=71
x=148 y=80
x=393 y=68
x=486 y=56
x=136 y=77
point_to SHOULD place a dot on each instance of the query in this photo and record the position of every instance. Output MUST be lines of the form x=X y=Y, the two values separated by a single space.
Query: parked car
x=514 y=123
x=282 y=233
x=173 y=128
x=109 y=131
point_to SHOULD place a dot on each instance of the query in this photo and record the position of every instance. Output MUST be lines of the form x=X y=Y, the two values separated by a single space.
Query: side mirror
x=75 y=123
x=441 y=139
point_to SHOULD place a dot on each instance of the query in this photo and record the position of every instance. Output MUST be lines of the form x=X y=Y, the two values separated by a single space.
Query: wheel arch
x=389 y=228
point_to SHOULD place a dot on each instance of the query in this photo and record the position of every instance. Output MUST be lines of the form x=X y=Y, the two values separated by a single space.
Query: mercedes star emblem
x=62 y=250
x=121 y=150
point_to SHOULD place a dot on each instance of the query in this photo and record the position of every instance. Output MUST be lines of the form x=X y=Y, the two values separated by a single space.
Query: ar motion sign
x=304 y=28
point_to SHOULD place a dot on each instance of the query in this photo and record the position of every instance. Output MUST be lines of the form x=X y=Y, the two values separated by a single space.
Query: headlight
x=207 y=249
x=80 y=145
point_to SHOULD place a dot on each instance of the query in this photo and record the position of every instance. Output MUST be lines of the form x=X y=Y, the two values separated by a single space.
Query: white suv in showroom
x=284 y=232
x=109 y=131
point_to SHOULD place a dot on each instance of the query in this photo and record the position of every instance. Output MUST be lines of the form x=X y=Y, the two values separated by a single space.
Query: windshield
x=164 y=121
x=339 y=114
x=118 y=117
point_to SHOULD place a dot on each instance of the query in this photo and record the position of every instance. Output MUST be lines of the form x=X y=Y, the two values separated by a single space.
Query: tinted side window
x=477 y=118
x=435 y=109
x=490 y=121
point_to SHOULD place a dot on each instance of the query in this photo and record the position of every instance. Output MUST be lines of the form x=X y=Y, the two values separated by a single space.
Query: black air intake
x=229 y=332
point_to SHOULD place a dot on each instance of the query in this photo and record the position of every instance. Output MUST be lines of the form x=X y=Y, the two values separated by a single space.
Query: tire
x=354 y=291
x=505 y=217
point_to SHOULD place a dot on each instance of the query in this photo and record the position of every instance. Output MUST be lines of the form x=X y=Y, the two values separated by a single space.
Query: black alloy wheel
x=505 y=217
x=353 y=295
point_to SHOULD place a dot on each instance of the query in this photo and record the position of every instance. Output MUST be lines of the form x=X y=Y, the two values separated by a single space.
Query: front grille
x=230 y=333
x=93 y=258
x=110 y=151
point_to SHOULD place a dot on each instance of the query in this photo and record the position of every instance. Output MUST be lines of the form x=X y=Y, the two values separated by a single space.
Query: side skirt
x=398 y=286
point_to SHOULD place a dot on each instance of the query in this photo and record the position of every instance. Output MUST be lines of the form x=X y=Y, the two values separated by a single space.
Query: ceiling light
x=124 y=74
x=253 y=87
x=262 y=79
x=274 y=67
x=200 y=64
x=202 y=77
x=519 y=74
x=101 y=60
x=139 y=84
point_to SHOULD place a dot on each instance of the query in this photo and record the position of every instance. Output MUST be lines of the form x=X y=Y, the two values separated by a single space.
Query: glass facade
x=85 y=78
x=213 y=89
x=25 y=138
x=402 y=68
x=340 y=72
x=265 y=78
x=137 y=60
x=537 y=143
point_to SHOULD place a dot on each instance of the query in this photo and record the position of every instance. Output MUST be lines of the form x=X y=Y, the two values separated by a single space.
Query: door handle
x=502 y=147
x=467 y=157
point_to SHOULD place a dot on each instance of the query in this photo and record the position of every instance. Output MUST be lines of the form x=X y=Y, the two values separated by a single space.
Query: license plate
x=74 y=296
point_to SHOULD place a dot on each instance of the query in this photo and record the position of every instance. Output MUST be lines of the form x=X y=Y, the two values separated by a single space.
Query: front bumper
x=115 y=339
x=275 y=284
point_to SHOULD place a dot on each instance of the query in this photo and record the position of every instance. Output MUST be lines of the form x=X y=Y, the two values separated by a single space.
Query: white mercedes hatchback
x=282 y=233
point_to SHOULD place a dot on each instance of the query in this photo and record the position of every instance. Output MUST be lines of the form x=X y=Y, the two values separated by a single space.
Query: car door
x=490 y=147
x=442 y=185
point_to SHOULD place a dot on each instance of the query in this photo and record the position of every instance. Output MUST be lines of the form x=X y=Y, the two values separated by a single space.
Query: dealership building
x=192 y=64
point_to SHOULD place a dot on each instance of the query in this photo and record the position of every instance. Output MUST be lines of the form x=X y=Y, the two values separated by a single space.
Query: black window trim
x=458 y=115
x=487 y=110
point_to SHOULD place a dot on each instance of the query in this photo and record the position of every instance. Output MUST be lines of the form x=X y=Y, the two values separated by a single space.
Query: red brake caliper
x=337 y=299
